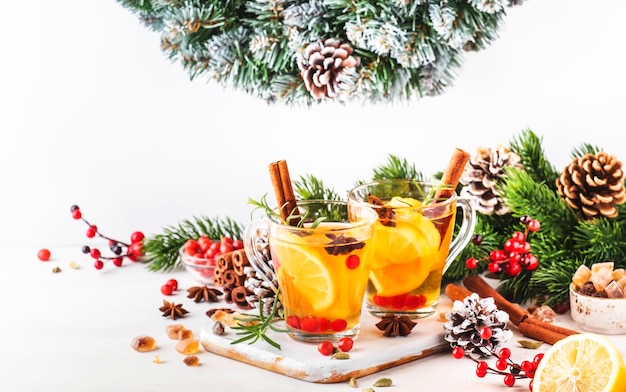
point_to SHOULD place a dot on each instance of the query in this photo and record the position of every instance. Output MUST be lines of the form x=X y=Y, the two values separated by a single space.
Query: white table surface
x=71 y=331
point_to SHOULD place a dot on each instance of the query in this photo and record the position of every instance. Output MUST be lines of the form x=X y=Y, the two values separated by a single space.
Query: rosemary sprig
x=253 y=328
x=294 y=216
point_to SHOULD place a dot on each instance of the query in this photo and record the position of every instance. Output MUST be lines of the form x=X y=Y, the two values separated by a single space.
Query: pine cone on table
x=468 y=318
x=481 y=175
x=328 y=68
x=593 y=185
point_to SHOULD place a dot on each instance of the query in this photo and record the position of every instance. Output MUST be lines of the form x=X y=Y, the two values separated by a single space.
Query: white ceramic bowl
x=599 y=315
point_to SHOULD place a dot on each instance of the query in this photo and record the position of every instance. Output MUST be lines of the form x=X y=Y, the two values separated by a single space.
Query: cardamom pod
x=368 y=390
x=532 y=344
x=340 y=355
x=383 y=382
x=352 y=382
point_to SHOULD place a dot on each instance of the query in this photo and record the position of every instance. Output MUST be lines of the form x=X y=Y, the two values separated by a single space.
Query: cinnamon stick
x=452 y=174
x=478 y=285
x=456 y=292
x=549 y=326
x=240 y=261
x=540 y=332
x=283 y=189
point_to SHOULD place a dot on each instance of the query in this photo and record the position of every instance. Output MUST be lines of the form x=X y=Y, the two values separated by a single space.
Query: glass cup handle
x=465 y=233
x=251 y=238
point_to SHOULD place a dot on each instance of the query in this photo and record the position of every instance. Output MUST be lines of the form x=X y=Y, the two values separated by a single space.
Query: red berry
x=534 y=225
x=481 y=373
x=309 y=324
x=136 y=237
x=513 y=269
x=501 y=364
x=471 y=263
x=526 y=366
x=76 y=214
x=493 y=267
x=118 y=261
x=173 y=283
x=95 y=253
x=353 y=261
x=497 y=255
x=482 y=366
x=345 y=344
x=293 y=322
x=458 y=352
x=505 y=353
x=91 y=231
x=136 y=248
x=530 y=386
x=166 y=289
x=518 y=236
x=485 y=333
x=381 y=301
x=338 y=325
x=98 y=264
x=537 y=359
x=324 y=324
x=43 y=254
x=531 y=262
x=325 y=348
x=204 y=243
x=226 y=247
x=238 y=244
x=509 y=380
x=414 y=301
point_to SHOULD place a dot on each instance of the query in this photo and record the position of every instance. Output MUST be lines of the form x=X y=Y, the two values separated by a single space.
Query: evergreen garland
x=405 y=48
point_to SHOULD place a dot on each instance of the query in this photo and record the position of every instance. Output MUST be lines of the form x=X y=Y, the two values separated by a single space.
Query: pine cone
x=481 y=175
x=260 y=289
x=593 y=185
x=466 y=320
x=328 y=68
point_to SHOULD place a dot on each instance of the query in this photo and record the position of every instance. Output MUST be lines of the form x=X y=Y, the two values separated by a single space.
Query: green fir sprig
x=162 y=250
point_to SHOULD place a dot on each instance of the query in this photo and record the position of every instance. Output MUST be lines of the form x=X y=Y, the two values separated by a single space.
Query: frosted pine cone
x=260 y=289
x=466 y=320
x=328 y=68
x=593 y=185
x=481 y=175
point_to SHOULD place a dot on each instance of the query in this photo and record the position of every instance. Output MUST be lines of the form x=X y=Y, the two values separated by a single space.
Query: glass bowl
x=597 y=314
x=202 y=269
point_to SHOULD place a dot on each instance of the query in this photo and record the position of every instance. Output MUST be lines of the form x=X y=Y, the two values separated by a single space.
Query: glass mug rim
x=434 y=203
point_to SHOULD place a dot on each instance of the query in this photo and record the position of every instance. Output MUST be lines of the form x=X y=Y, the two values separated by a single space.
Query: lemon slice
x=581 y=362
x=303 y=270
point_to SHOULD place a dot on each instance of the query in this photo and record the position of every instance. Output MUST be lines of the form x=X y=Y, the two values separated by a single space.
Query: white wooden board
x=372 y=351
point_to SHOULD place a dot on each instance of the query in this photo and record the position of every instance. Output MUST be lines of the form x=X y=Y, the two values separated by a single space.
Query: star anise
x=203 y=293
x=393 y=325
x=173 y=310
x=386 y=215
x=342 y=245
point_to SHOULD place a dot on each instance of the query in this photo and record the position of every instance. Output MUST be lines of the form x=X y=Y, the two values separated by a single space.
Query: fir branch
x=309 y=187
x=162 y=250
x=529 y=147
x=601 y=240
x=525 y=196
x=584 y=149
x=396 y=168
x=553 y=279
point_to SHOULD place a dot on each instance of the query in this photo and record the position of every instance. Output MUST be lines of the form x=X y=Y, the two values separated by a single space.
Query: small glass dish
x=202 y=269
x=598 y=314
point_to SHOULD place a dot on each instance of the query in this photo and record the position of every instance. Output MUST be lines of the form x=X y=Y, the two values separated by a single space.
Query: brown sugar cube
x=601 y=278
x=598 y=266
x=613 y=290
x=581 y=276
x=188 y=346
x=618 y=274
x=173 y=330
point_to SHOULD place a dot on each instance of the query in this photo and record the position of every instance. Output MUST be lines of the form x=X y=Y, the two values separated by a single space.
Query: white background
x=93 y=114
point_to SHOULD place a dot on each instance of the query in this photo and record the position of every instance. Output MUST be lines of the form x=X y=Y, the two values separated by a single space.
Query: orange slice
x=581 y=362
x=303 y=270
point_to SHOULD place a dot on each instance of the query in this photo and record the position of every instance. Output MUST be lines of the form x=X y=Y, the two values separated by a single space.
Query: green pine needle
x=162 y=250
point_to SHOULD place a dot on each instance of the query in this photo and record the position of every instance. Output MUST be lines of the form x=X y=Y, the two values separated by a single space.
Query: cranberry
x=167 y=289
x=345 y=344
x=325 y=348
x=471 y=263
x=338 y=325
x=309 y=324
x=458 y=352
x=173 y=283
x=137 y=236
x=43 y=254
x=353 y=261
x=293 y=322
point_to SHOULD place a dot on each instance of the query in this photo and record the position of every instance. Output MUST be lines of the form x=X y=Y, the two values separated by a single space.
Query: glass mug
x=321 y=267
x=412 y=244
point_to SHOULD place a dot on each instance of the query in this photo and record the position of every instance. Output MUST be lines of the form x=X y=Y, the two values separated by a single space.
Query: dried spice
x=385 y=214
x=204 y=293
x=219 y=329
x=393 y=325
x=173 y=310
x=191 y=360
x=342 y=245
x=383 y=382
x=531 y=344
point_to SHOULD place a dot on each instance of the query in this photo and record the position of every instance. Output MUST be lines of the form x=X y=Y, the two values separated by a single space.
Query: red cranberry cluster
x=344 y=344
x=504 y=366
x=132 y=251
x=515 y=256
x=316 y=324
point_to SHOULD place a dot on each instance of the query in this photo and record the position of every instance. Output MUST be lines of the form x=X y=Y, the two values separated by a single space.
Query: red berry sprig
x=132 y=251
x=504 y=365
x=515 y=255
